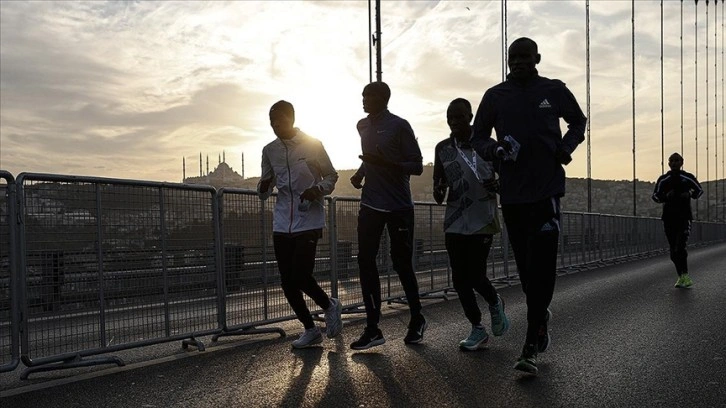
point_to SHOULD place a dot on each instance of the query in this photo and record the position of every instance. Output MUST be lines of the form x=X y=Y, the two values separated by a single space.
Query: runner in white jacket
x=300 y=168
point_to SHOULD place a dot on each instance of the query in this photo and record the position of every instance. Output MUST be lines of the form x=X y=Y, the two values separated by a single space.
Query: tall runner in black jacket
x=530 y=150
x=675 y=189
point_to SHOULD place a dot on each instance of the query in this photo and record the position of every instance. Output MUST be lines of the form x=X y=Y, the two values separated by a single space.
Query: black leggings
x=295 y=255
x=677 y=233
x=400 y=231
x=468 y=257
x=534 y=231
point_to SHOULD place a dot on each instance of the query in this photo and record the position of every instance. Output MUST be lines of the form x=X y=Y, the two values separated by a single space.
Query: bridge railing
x=93 y=266
x=9 y=276
x=110 y=264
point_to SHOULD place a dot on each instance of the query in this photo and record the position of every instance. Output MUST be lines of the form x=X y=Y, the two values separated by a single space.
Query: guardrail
x=9 y=276
x=86 y=294
x=92 y=265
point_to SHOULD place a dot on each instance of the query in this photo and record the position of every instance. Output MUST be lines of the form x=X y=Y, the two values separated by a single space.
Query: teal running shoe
x=478 y=339
x=500 y=321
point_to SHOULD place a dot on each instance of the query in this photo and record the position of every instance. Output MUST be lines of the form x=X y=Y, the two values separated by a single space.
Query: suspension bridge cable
x=504 y=52
x=506 y=40
x=379 y=44
x=695 y=81
x=715 y=100
x=589 y=119
x=632 y=20
x=662 y=119
x=370 y=45
x=708 y=165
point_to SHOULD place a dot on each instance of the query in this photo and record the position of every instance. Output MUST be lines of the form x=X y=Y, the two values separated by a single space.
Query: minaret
x=207 y=165
x=219 y=158
x=243 y=165
x=200 y=164
x=184 y=168
x=223 y=158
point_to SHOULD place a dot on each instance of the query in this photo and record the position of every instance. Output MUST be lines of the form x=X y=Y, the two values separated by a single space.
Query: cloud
x=123 y=89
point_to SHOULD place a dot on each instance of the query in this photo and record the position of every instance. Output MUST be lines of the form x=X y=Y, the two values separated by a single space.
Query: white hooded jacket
x=294 y=165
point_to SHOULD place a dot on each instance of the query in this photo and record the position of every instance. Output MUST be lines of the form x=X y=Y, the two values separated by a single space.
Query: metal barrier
x=252 y=295
x=9 y=276
x=95 y=265
x=113 y=264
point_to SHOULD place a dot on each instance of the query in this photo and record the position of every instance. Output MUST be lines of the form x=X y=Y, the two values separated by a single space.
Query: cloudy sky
x=128 y=89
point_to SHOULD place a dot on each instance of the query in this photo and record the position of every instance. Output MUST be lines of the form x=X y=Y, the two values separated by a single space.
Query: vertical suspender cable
x=504 y=50
x=370 y=45
x=379 y=72
x=506 y=40
x=662 y=120
x=715 y=101
x=632 y=20
x=695 y=51
x=589 y=119
x=681 y=77
x=723 y=142
x=708 y=164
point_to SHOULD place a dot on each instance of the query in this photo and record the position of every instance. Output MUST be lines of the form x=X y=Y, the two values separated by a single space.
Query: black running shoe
x=415 y=331
x=543 y=335
x=527 y=362
x=369 y=338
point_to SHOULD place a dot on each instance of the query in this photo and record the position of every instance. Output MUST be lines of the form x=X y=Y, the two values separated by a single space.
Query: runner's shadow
x=340 y=381
x=380 y=365
x=534 y=382
x=310 y=358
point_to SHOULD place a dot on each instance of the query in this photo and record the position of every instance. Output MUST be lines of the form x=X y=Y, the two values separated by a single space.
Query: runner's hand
x=563 y=157
x=311 y=194
x=265 y=185
x=440 y=193
x=503 y=149
x=356 y=181
x=491 y=185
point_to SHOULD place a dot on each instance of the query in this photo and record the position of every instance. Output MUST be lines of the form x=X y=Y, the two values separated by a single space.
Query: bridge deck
x=622 y=336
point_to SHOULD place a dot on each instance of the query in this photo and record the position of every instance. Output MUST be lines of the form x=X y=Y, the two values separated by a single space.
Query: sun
x=331 y=116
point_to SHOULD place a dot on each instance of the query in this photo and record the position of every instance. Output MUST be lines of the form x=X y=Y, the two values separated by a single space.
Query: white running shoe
x=310 y=337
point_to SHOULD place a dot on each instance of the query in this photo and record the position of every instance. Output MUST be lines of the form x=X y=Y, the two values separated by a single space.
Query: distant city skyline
x=133 y=89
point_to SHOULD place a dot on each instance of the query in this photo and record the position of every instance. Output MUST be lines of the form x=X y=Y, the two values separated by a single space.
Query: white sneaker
x=333 y=318
x=309 y=338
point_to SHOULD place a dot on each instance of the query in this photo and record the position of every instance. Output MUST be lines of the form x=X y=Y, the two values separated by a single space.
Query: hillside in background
x=608 y=196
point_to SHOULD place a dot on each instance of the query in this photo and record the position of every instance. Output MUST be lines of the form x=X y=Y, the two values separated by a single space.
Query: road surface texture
x=622 y=336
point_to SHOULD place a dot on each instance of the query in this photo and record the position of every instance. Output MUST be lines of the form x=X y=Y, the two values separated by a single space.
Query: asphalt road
x=622 y=336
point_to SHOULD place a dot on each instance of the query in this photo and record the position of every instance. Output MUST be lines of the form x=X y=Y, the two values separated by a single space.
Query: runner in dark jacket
x=390 y=156
x=525 y=111
x=675 y=189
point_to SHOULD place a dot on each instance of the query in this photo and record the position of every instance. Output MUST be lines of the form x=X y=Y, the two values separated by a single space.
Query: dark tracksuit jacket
x=530 y=112
x=677 y=214
x=676 y=207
